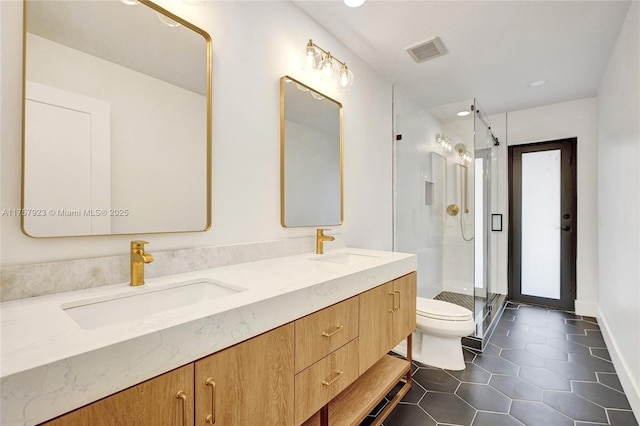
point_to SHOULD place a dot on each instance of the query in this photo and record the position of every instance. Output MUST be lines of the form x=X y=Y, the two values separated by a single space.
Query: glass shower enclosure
x=444 y=185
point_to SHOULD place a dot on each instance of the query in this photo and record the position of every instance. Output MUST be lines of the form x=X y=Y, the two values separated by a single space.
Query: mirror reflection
x=117 y=129
x=311 y=156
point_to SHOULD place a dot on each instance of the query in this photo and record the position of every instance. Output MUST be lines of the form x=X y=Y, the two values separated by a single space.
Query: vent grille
x=427 y=50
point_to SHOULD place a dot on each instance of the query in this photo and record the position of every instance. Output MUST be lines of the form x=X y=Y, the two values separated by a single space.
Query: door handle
x=182 y=396
x=211 y=418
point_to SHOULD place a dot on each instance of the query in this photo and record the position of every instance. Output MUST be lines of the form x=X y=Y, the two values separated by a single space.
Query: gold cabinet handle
x=332 y=381
x=399 y=299
x=337 y=330
x=393 y=303
x=181 y=395
x=211 y=418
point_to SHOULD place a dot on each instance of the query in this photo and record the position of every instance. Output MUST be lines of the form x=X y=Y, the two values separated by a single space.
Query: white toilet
x=440 y=327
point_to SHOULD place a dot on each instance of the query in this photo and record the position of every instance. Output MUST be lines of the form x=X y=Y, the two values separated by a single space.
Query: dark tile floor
x=542 y=367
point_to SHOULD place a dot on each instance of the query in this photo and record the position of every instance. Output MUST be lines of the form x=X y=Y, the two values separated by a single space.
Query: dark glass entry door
x=542 y=242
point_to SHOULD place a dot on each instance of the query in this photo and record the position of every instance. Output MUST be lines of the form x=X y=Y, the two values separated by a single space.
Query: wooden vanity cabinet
x=326 y=356
x=163 y=400
x=387 y=316
x=330 y=367
x=247 y=384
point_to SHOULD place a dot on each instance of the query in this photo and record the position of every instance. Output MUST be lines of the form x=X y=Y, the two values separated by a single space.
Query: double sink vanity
x=292 y=340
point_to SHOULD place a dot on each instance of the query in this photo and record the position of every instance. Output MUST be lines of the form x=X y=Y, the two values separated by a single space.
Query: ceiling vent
x=427 y=50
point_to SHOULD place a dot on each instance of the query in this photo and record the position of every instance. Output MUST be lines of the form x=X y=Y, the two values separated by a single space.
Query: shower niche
x=445 y=173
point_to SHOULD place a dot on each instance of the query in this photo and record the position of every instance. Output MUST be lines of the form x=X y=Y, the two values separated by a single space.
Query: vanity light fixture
x=443 y=140
x=465 y=155
x=331 y=68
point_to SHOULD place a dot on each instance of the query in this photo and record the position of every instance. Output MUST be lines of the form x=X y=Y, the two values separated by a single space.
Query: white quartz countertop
x=51 y=365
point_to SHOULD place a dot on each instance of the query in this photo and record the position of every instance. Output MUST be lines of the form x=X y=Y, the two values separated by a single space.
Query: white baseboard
x=629 y=383
x=588 y=309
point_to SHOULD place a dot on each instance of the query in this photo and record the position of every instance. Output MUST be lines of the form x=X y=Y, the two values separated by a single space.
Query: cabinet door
x=248 y=384
x=404 y=318
x=154 y=402
x=376 y=310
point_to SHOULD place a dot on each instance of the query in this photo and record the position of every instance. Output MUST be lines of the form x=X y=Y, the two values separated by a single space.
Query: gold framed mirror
x=116 y=120
x=311 y=164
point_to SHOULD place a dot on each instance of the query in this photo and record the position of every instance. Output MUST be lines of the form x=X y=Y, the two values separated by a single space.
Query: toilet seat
x=441 y=310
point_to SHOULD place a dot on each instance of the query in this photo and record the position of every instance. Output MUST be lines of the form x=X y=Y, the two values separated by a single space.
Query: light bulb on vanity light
x=328 y=69
x=345 y=79
x=311 y=58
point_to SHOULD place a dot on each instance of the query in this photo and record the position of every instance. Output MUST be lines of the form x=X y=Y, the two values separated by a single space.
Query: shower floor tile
x=556 y=379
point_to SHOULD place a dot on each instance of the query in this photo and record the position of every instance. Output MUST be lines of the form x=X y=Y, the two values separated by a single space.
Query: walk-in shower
x=444 y=172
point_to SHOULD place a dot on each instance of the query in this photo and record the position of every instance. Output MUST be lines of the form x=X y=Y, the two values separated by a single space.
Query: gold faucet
x=321 y=238
x=138 y=258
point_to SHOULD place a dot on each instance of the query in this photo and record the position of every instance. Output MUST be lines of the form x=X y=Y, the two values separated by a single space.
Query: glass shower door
x=484 y=204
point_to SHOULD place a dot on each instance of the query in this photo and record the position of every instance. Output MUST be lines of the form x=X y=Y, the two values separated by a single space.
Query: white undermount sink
x=345 y=258
x=138 y=303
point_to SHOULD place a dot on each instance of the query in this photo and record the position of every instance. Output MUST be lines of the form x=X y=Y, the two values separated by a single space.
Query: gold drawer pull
x=211 y=418
x=337 y=330
x=393 y=303
x=399 y=299
x=181 y=395
x=332 y=381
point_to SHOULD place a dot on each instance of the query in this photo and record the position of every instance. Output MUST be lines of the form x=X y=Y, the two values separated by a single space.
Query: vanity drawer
x=320 y=383
x=322 y=332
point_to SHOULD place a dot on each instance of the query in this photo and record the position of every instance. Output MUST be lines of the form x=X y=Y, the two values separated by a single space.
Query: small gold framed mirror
x=311 y=164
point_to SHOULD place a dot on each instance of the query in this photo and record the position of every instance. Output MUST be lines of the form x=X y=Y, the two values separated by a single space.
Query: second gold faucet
x=321 y=238
x=138 y=258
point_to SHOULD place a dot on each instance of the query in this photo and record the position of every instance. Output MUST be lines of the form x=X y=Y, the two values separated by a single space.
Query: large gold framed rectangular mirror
x=117 y=120
x=310 y=156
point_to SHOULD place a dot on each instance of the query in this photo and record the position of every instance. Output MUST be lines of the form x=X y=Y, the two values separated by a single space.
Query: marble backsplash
x=38 y=279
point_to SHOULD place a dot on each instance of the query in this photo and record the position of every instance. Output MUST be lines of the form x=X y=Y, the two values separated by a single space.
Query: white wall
x=255 y=43
x=559 y=121
x=619 y=205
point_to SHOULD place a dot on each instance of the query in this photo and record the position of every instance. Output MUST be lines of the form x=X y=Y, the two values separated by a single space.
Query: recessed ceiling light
x=537 y=83
x=463 y=113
